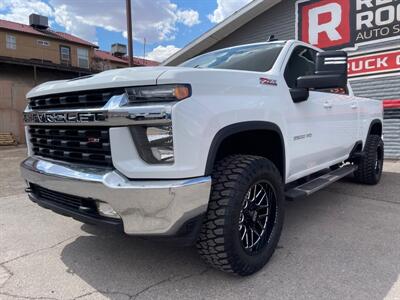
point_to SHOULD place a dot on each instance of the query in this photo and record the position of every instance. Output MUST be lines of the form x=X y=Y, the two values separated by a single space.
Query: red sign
x=334 y=24
x=391 y=104
x=325 y=23
x=382 y=62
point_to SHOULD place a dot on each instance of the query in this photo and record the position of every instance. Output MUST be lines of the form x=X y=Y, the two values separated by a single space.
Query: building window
x=43 y=43
x=65 y=55
x=11 y=42
x=83 y=58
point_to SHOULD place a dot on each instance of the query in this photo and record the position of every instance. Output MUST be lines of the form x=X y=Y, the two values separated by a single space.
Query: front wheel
x=370 y=166
x=245 y=215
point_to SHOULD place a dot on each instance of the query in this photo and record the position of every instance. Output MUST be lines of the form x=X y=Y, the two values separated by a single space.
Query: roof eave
x=49 y=37
x=220 y=31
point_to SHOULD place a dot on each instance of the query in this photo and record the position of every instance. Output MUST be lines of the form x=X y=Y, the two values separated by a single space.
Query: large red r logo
x=325 y=23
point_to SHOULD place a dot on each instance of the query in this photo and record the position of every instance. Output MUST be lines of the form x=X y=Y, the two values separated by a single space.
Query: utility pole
x=144 y=50
x=129 y=29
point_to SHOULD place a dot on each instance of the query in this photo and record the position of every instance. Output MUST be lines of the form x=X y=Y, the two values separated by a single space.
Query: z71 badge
x=267 y=81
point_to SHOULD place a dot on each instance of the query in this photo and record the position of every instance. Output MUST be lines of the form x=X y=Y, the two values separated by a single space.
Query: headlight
x=167 y=92
x=154 y=143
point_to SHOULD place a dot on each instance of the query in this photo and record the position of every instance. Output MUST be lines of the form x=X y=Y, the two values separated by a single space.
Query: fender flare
x=229 y=130
x=373 y=122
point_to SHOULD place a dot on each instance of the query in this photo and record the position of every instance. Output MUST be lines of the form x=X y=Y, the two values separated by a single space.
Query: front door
x=315 y=126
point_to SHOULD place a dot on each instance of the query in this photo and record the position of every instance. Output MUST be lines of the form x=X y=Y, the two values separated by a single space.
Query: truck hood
x=107 y=79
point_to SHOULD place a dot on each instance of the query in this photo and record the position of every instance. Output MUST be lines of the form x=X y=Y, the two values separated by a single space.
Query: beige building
x=33 y=54
x=37 y=45
x=43 y=48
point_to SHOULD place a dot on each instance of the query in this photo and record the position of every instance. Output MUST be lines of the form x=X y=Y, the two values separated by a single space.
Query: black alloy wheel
x=257 y=216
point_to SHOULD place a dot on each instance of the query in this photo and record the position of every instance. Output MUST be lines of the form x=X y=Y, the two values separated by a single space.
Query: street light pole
x=129 y=29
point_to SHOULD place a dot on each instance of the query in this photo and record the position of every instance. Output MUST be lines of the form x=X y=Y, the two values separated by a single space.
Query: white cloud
x=188 y=17
x=71 y=23
x=19 y=10
x=161 y=53
x=155 y=20
x=225 y=8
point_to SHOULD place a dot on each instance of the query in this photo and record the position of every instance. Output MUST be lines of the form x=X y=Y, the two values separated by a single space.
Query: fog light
x=161 y=144
x=154 y=143
x=106 y=210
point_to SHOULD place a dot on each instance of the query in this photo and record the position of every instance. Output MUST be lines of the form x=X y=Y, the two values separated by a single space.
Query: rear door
x=345 y=110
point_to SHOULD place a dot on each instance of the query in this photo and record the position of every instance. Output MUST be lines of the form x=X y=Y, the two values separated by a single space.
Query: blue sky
x=167 y=25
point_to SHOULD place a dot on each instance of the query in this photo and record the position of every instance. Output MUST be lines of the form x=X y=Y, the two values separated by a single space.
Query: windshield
x=257 y=58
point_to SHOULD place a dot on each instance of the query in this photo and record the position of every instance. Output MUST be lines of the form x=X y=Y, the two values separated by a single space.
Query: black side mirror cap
x=299 y=94
x=331 y=62
x=326 y=81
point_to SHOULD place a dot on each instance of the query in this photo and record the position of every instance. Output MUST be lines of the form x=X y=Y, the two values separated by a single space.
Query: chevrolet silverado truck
x=204 y=153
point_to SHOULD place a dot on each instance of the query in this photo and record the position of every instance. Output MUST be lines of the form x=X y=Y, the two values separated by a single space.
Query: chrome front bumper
x=146 y=207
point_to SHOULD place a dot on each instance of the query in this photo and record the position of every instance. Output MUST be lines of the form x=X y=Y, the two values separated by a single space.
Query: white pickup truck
x=204 y=153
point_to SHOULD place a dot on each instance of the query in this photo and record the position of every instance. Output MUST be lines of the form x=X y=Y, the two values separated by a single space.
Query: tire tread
x=366 y=168
x=226 y=181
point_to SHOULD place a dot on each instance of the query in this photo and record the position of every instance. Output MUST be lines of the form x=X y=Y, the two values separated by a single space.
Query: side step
x=319 y=183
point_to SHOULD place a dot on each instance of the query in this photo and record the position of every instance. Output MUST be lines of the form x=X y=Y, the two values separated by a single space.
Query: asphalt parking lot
x=341 y=243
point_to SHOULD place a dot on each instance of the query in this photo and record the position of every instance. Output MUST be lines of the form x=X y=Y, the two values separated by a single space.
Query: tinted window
x=301 y=63
x=258 y=58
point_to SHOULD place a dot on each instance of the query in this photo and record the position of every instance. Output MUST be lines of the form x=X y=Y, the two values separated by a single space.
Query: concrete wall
x=15 y=82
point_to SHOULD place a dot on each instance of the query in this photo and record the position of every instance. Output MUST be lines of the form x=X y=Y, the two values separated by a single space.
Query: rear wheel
x=371 y=164
x=245 y=215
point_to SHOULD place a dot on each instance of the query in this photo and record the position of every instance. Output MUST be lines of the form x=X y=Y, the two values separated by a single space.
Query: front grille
x=85 y=145
x=82 y=99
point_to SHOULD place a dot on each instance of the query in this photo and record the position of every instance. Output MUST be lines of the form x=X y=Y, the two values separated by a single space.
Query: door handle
x=328 y=104
x=354 y=106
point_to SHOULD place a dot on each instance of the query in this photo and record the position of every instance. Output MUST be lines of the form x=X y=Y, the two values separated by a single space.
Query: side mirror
x=299 y=94
x=330 y=72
